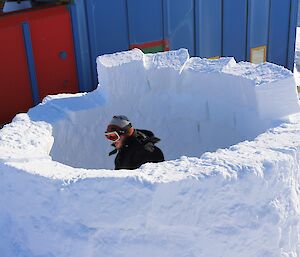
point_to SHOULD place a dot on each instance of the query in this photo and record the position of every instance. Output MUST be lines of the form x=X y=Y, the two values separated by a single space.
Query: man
x=133 y=147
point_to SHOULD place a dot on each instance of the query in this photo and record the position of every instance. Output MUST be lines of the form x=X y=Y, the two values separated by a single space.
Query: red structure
x=37 y=58
x=15 y=86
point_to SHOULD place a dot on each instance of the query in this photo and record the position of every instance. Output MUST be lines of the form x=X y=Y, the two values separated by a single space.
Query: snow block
x=59 y=196
x=267 y=78
x=121 y=76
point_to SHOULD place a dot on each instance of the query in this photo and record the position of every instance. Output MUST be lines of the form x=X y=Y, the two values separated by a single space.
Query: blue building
x=249 y=30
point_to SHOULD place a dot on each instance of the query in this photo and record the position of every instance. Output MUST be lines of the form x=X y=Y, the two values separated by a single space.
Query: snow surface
x=57 y=198
x=297 y=57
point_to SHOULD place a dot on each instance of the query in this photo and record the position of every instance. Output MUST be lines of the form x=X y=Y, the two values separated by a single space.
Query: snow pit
x=58 y=196
x=194 y=105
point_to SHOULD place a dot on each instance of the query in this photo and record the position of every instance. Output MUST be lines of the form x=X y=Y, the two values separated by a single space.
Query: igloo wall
x=194 y=105
x=239 y=201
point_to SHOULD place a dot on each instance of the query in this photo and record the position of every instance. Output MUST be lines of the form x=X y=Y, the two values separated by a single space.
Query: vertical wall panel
x=209 y=28
x=292 y=34
x=179 y=24
x=279 y=31
x=30 y=63
x=108 y=30
x=258 y=24
x=81 y=44
x=235 y=28
x=145 y=19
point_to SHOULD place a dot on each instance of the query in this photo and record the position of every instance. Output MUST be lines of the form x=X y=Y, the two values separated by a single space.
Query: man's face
x=120 y=142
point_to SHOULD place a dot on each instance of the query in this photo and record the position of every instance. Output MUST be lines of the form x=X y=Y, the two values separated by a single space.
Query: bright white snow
x=297 y=57
x=240 y=201
x=194 y=105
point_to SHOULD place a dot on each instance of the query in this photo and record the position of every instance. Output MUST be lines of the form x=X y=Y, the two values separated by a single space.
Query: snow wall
x=239 y=201
x=194 y=105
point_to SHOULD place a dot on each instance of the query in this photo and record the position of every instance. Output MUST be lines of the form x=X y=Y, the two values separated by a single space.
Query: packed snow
x=297 y=57
x=60 y=197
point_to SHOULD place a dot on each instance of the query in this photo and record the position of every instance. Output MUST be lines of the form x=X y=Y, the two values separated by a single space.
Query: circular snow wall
x=194 y=105
x=226 y=203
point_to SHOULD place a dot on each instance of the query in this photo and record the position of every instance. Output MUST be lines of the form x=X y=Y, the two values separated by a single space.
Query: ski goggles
x=112 y=136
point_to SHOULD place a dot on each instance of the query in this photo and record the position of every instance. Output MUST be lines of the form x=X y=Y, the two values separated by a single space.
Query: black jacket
x=137 y=150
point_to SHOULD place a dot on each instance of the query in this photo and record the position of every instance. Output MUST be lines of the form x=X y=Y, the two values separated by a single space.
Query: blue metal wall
x=139 y=12
x=235 y=29
x=258 y=24
x=292 y=34
x=81 y=43
x=107 y=28
x=207 y=28
x=179 y=24
x=278 y=30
